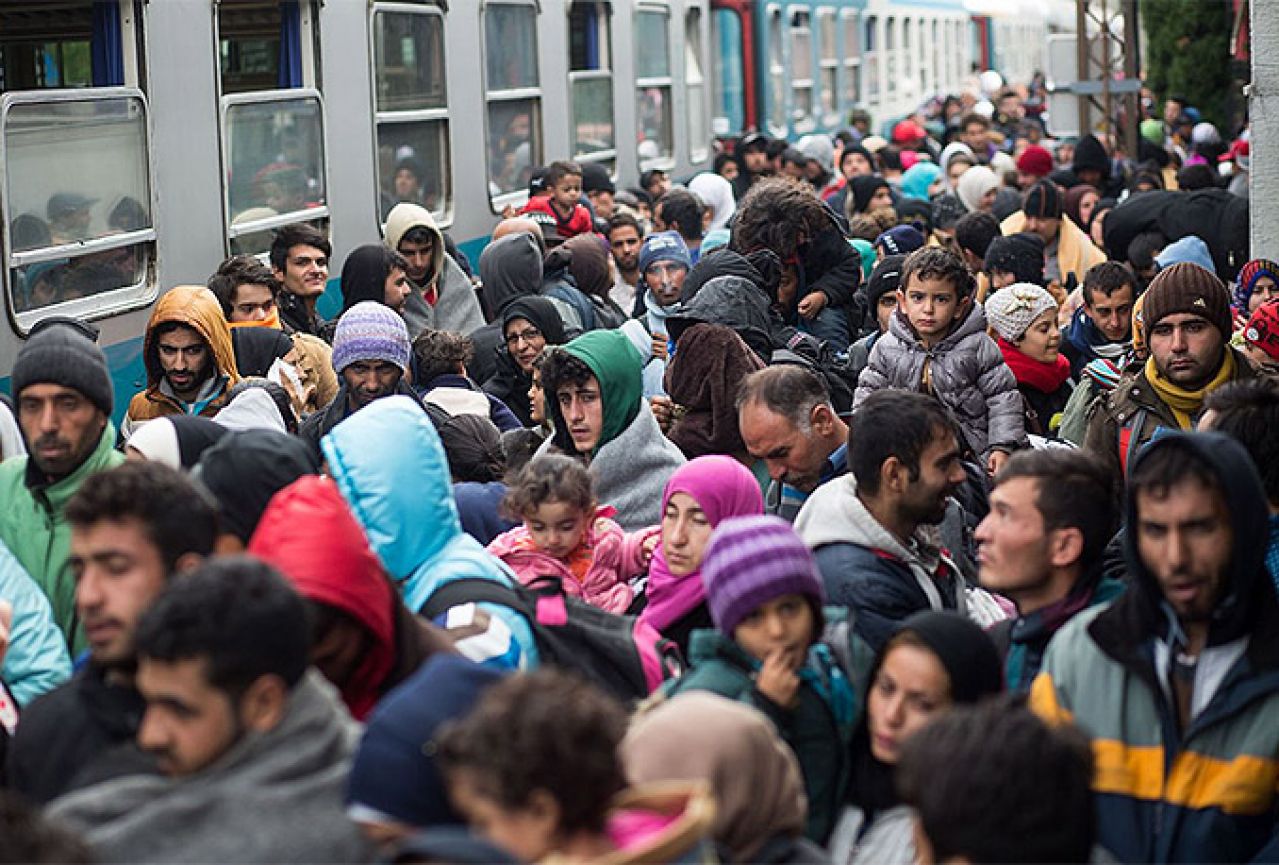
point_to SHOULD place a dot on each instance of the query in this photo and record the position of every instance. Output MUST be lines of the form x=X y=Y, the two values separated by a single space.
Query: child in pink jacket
x=568 y=536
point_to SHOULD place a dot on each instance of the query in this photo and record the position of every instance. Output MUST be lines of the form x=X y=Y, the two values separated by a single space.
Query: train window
x=274 y=152
x=872 y=52
x=776 y=75
x=77 y=189
x=890 y=56
x=411 y=109
x=262 y=43
x=829 y=58
x=908 y=57
x=729 y=81
x=514 y=96
x=590 y=81
x=695 y=87
x=852 y=58
x=58 y=45
x=653 y=80
x=801 y=58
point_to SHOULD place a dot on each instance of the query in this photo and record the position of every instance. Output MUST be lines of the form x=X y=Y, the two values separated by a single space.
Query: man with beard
x=132 y=528
x=625 y=238
x=874 y=531
x=371 y=357
x=189 y=358
x=64 y=399
x=786 y=419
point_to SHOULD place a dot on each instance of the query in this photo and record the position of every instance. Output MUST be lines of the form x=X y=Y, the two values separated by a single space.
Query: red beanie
x=908 y=132
x=1035 y=160
x=1263 y=328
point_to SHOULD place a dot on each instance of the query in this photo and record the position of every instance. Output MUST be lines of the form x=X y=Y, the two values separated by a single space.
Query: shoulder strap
x=474 y=590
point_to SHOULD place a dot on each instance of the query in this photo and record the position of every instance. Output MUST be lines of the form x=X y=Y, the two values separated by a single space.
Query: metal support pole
x=1263 y=103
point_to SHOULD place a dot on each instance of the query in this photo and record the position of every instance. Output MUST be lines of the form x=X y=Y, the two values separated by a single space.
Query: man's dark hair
x=238 y=615
x=557 y=171
x=625 y=220
x=789 y=390
x=776 y=147
x=893 y=423
x=973 y=117
x=236 y=271
x=975 y=231
x=1168 y=466
x=682 y=211
x=1143 y=249
x=545 y=730
x=177 y=516
x=421 y=235
x=560 y=368
x=1072 y=490
x=1199 y=176
x=1248 y=412
x=993 y=783
x=934 y=262
x=440 y=352
x=299 y=234
x=777 y=214
x=890 y=158
x=1106 y=278
x=27 y=836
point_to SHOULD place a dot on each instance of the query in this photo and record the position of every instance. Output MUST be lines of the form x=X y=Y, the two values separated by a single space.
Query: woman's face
x=524 y=342
x=685 y=532
x=956 y=169
x=988 y=200
x=882 y=198
x=1086 y=205
x=910 y=689
x=1042 y=340
x=1264 y=289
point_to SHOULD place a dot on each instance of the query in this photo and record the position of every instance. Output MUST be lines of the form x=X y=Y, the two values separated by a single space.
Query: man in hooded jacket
x=444 y=299
x=1177 y=682
x=510 y=268
x=189 y=358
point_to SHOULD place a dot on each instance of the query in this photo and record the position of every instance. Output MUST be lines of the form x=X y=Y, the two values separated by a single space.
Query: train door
x=733 y=108
x=590 y=81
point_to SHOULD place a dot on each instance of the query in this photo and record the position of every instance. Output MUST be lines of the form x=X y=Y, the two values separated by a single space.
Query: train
x=143 y=142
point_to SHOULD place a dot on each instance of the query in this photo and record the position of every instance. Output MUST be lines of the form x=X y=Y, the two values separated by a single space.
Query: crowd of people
x=862 y=500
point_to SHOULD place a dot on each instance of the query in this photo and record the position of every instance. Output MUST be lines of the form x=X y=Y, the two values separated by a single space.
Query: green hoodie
x=619 y=369
x=33 y=526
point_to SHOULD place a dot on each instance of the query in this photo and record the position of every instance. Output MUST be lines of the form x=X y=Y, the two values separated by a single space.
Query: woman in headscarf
x=703 y=376
x=936 y=660
x=699 y=495
x=1079 y=203
x=977 y=189
x=1258 y=282
x=529 y=324
x=868 y=192
x=760 y=806
x=717 y=194
x=956 y=150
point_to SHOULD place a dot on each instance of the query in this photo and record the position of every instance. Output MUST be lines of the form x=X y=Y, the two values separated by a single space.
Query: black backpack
x=624 y=656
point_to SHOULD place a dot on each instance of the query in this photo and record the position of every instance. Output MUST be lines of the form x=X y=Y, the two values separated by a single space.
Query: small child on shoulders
x=563 y=200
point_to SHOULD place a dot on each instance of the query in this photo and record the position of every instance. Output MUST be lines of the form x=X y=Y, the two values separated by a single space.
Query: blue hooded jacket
x=37 y=660
x=391 y=468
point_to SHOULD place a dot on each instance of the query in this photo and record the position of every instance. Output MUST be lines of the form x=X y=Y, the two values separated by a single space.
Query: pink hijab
x=723 y=488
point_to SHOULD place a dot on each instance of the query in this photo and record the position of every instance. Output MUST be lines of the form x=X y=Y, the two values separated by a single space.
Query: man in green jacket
x=62 y=389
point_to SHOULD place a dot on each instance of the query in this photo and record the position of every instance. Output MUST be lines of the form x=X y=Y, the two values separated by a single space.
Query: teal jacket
x=37 y=659
x=388 y=462
x=34 y=528
x=818 y=729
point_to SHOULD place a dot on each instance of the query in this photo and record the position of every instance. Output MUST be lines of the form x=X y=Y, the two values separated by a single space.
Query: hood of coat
x=735 y=302
x=1238 y=608
x=510 y=267
x=364 y=275
x=405 y=216
x=618 y=368
x=834 y=514
x=197 y=308
x=388 y=463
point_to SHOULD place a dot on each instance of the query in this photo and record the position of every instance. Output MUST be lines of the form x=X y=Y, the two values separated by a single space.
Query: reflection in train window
x=514 y=96
x=653 y=82
x=411 y=109
x=77 y=187
x=729 y=81
x=801 y=63
x=695 y=87
x=590 y=81
x=261 y=44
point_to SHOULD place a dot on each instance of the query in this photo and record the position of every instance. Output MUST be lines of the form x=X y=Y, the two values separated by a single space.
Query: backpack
x=626 y=657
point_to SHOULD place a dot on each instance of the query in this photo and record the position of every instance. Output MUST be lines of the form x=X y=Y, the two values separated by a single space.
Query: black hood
x=1249 y=589
x=762 y=269
x=735 y=302
x=539 y=312
x=364 y=275
x=510 y=267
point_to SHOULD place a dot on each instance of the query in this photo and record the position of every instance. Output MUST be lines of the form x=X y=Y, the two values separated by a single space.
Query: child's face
x=932 y=306
x=557 y=527
x=783 y=626
x=1042 y=340
x=567 y=193
x=527 y=832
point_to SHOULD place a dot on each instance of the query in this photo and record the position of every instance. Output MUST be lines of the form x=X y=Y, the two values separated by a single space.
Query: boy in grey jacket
x=937 y=344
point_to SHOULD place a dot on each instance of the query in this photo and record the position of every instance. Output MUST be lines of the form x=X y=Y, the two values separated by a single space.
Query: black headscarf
x=539 y=312
x=195 y=435
x=364 y=274
x=864 y=188
x=245 y=469
x=256 y=348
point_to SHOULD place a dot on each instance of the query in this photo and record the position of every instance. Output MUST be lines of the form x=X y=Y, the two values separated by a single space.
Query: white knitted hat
x=1013 y=309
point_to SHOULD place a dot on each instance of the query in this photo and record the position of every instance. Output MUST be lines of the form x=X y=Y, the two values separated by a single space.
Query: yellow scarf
x=272 y=320
x=1185 y=404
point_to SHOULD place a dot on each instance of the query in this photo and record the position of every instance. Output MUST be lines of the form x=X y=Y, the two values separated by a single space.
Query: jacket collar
x=103 y=456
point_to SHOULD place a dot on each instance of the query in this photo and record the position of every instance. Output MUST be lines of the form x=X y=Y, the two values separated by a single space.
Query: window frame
x=777 y=72
x=667 y=162
x=498 y=202
x=874 y=93
x=443 y=218
x=608 y=74
x=801 y=124
x=699 y=140
x=852 y=56
x=108 y=303
x=826 y=64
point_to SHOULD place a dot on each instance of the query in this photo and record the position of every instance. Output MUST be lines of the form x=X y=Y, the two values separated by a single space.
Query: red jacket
x=578 y=222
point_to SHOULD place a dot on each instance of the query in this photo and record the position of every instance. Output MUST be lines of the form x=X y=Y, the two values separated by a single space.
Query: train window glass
x=695 y=87
x=47 y=45
x=801 y=58
x=514 y=96
x=872 y=52
x=890 y=56
x=852 y=58
x=412 y=110
x=77 y=187
x=729 y=80
x=590 y=79
x=829 y=55
x=274 y=152
x=776 y=75
x=937 y=83
x=908 y=58
x=261 y=44
x=653 y=70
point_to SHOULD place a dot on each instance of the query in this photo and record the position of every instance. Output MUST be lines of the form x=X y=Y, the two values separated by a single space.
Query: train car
x=143 y=142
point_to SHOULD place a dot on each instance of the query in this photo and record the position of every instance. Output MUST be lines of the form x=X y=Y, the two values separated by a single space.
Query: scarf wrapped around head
x=703 y=376
x=1247 y=281
x=723 y=488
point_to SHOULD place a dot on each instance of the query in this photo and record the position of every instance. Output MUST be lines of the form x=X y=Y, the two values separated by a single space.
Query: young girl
x=1024 y=317
x=567 y=535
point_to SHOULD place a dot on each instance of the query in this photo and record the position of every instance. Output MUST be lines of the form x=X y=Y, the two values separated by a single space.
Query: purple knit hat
x=370 y=331
x=751 y=561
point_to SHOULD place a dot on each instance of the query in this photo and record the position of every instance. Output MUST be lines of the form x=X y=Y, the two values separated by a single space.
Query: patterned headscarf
x=1247 y=281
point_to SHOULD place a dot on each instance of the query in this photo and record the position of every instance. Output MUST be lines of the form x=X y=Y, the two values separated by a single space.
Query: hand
x=663 y=410
x=659 y=345
x=509 y=211
x=812 y=304
x=650 y=544
x=6 y=626
x=778 y=681
x=995 y=462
